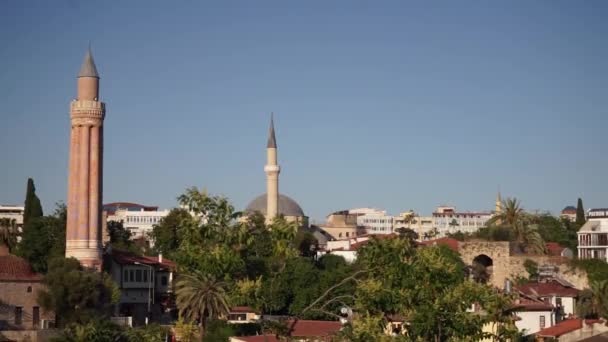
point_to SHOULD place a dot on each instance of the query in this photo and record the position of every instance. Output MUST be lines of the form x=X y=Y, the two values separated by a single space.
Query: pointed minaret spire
x=272 y=170
x=88 y=68
x=498 y=208
x=272 y=140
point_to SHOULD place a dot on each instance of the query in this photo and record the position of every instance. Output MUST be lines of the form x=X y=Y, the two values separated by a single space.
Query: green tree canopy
x=33 y=207
x=580 y=213
x=44 y=239
x=76 y=294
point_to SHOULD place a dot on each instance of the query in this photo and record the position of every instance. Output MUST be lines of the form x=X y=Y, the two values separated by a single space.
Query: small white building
x=138 y=219
x=533 y=315
x=593 y=236
x=559 y=293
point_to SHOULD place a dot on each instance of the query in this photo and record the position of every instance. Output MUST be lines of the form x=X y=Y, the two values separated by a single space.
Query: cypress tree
x=33 y=208
x=580 y=213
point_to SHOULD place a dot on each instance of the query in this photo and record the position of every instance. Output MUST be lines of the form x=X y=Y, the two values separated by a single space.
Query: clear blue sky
x=389 y=104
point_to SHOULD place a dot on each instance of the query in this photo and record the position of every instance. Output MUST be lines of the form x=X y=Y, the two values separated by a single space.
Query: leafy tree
x=600 y=297
x=408 y=233
x=201 y=297
x=44 y=239
x=167 y=234
x=121 y=238
x=552 y=229
x=92 y=331
x=427 y=286
x=186 y=331
x=146 y=333
x=76 y=294
x=33 y=207
x=531 y=267
x=580 y=213
x=306 y=243
x=8 y=233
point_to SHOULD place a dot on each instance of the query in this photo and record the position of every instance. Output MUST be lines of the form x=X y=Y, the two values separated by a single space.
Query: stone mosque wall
x=507 y=266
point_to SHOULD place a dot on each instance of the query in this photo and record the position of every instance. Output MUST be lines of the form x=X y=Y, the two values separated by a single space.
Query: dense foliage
x=103 y=330
x=580 y=213
x=77 y=294
x=33 y=207
x=44 y=239
x=227 y=259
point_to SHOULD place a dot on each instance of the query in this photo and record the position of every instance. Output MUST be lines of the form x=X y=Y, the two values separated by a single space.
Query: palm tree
x=514 y=217
x=8 y=233
x=599 y=291
x=200 y=297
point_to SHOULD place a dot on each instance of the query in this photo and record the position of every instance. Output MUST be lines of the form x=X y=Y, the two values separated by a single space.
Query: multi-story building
x=146 y=286
x=342 y=225
x=448 y=220
x=12 y=212
x=374 y=221
x=424 y=226
x=593 y=236
x=138 y=219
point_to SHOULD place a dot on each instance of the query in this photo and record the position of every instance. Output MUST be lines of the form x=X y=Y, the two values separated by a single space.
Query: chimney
x=160 y=258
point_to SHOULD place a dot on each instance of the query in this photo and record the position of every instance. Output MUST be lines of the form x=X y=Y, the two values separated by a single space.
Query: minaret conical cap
x=272 y=140
x=88 y=68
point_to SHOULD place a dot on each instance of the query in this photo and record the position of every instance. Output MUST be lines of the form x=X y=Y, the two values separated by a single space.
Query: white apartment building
x=138 y=219
x=448 y=220
x=374 y=221
x=593 y=236
x=13 y=212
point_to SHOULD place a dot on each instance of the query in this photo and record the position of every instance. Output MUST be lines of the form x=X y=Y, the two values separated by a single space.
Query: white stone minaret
x=83 y=233
x=272 y=170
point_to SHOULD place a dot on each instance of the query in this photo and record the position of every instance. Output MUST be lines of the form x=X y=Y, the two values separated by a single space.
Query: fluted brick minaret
x=272 y=170
x=83 y=233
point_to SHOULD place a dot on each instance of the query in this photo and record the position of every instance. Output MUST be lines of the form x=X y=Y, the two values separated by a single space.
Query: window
x=347 y=234
x=558 y=301
x=542 y=322
x=29 y=289
x=138 y=275
x=36 y=316
x=163 y=280
x=126 y=276
x=131 y=276
x=18 y=315
x=146 y=275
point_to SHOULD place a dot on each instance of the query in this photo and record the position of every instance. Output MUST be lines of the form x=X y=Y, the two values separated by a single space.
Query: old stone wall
x=507 y=266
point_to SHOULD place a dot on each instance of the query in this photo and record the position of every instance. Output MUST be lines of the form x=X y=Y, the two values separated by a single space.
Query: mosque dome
x=287 y=206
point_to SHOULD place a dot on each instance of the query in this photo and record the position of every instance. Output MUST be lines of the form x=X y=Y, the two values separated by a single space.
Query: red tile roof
x=526 y=303
x=549 y=289
x=451 y=243
x=14 y=268
x=561 y=328
x=300 y=328
x=554 y=248
x=313 y=328
x=242 y=309
x=125 y=258
x=259 y=338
